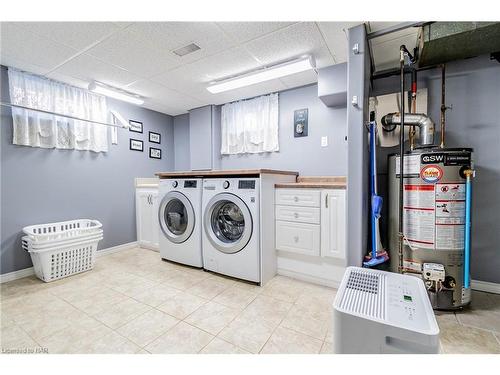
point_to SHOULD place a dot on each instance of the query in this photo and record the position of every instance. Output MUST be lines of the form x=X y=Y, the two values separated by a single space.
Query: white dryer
x=179 y=215
x=231 y=238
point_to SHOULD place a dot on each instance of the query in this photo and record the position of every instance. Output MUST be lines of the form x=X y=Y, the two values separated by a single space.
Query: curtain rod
x=61 y=115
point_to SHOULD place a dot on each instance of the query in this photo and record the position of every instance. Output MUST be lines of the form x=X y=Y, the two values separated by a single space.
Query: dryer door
x=228 y=223
x=176 y=217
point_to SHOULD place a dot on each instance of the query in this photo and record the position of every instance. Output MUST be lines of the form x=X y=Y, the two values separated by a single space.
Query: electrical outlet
x=324 y=141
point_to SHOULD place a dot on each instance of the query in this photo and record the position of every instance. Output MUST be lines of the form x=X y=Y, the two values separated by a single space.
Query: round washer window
x=228 y=222
x=176 y=216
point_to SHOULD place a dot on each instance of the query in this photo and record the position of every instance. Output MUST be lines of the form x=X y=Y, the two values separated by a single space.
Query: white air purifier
x=383 y=312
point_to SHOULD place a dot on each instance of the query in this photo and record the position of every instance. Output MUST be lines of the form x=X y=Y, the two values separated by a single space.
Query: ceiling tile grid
x=138 y=56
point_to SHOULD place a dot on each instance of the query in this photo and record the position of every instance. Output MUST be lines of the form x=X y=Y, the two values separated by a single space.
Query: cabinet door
x=144 y=217
x=200 y=138
x=155 y=227
x=333 y=220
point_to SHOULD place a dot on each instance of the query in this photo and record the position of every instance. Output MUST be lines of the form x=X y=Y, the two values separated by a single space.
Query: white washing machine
x=231 y=238
x=179 y=215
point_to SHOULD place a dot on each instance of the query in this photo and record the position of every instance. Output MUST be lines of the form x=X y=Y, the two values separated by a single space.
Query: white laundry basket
x=62 y=249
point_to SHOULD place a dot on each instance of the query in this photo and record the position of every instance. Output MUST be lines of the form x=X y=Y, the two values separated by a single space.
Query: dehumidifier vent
x=364 y=294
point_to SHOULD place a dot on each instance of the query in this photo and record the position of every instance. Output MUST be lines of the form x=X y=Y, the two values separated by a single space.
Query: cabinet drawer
x=298 y=197
x=298 y=237
x=309 y=215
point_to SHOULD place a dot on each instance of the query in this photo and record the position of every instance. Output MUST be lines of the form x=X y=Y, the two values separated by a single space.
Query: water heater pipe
x=468 y=189
x=413 y=105
x=420 y=120
x=443 y=104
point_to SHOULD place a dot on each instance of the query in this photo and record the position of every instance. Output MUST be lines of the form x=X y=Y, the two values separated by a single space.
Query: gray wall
x=473 y=90
x=48 y=185
x=181 y=144
x=305 y=154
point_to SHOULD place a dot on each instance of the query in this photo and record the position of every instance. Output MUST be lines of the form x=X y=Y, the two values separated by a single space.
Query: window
x=250 y=126
x=38 y=129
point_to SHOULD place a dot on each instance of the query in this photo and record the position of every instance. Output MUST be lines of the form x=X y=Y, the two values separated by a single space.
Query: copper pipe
x=443 y=104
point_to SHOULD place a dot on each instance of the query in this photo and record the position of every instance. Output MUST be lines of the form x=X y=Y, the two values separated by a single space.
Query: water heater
x=434 y=199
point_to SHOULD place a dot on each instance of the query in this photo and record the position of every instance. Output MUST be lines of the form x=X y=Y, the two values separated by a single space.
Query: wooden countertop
x=224 y=173
x=315 y=182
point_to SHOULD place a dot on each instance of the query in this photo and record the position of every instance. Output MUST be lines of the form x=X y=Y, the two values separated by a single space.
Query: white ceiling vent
x=190 y=48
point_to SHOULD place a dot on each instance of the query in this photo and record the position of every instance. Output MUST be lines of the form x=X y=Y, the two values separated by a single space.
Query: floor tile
x=456 y=339
x=181 y=305
x=218 y=346
x=301 y=321
x=157 y=295
x=111 y=343
x=102 y=300
x=182 y=280
x=284 y=288
x=181 y=339
x=14 y=338
x=484 y=319
x=147 y=327
x=248 y=334
x=287 y=341
x=235 y=297
x=21 y=287
x=327 y=348
x=208 y=289
x=212 y=317
x=267 y=308
x=121 y=313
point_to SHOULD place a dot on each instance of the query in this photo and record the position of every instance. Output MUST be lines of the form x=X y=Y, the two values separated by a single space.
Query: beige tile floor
x=132 y=302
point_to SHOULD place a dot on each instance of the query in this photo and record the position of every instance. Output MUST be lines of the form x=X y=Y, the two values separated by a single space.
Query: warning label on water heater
x=450 y=216
x=419 y=215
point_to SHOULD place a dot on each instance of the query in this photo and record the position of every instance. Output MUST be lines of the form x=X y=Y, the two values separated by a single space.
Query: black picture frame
x=151 y=150
x=157 y=135
x=131 y=147
x=135 y=123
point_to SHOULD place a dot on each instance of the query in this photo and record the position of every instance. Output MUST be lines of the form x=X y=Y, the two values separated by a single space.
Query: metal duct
x=422 y=121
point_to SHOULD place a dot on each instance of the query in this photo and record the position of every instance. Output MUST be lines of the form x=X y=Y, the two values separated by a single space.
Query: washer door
x=228 y=223
x=176 y=217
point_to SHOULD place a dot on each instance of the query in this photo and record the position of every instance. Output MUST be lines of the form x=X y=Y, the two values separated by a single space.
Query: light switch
x=324 y=141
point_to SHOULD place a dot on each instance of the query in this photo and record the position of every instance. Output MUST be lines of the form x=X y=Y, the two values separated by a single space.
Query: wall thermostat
x=300 y=122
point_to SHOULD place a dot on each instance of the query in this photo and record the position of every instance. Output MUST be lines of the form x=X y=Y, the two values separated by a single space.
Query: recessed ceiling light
x=183 y=51
x=276 y=71
x=115 y=93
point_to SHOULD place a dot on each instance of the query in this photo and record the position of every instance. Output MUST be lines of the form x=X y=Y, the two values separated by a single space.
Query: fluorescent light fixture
x=266 y=74
x=112 y=92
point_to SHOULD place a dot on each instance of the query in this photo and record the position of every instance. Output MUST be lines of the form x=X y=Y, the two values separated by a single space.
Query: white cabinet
x=298 y=237
x=146 y=206
x=333 y=224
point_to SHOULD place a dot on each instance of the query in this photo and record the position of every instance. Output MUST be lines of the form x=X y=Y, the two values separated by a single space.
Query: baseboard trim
x=25 y=272
x=484 y=286
x=308 y=278
x=117 y=248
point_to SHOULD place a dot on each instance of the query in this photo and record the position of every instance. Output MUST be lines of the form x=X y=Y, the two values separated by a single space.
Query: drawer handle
x=296 y=199
x=296 y=215
x=296 y=239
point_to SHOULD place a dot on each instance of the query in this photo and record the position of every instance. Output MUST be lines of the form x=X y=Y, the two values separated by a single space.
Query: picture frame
x=155 y=137
x=136 y=145
x=154 y=153
x=135 y=126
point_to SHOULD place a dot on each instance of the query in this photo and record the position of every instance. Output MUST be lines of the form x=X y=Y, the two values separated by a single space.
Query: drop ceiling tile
x=78 y=35
x=245 y=31
x=168 y=36
x=68 y=80
x=377 y=26
x=126 y=50
x=300 y=79
x=88 y=68
x=335 y=35
x=162 y=108
x=26 y=66
x=160 y=94
x=22 y=46
x=293 y=41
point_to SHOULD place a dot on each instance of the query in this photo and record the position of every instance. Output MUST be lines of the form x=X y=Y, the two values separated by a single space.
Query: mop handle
x=468 y=188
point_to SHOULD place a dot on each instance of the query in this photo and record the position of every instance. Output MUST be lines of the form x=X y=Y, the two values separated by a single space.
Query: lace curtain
x=37 y=129
x=250 y=126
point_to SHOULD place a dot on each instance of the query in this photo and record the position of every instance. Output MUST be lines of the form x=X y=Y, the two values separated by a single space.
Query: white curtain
x=250 y=126
x=37 y=129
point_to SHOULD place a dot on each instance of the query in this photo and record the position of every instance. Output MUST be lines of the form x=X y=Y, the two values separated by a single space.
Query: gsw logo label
x=432 y=158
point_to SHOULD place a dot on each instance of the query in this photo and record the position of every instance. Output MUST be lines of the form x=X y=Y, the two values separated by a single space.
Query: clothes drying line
x=120 y=119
